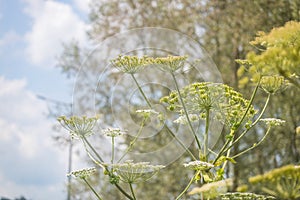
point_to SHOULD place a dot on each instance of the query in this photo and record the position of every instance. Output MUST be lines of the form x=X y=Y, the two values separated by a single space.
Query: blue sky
x=31 y=34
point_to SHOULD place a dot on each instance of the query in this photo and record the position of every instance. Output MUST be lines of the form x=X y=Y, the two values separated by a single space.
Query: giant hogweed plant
x=199 y=101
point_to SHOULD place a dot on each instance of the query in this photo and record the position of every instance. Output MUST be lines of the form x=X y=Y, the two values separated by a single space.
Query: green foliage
x=279 y=54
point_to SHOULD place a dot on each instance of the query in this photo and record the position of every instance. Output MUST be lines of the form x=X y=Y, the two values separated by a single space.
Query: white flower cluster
x=183 y=119
x=198 y=165
x=113 y=132
x=83 y=173
x=79 y=127
x=273 y=121
x=131 y=172
x=147 y=112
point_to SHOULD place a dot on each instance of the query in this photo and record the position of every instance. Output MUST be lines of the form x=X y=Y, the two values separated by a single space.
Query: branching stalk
x=141 y=91
x=92 y=148
x=132 y=191
x=99 y=157
x=229 y=140
x=93 y=190
x=112 y=149
x=169 y=131
x=123 y=192
x=254 y=145
x=129 y=148
x=205 y=149
x=180 y=143
x=185 y=111
x=252 y=125
x=188 y=186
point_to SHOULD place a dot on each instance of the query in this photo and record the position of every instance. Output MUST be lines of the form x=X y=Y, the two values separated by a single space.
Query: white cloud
x=53 y=24
x=30 y=164
x=83 y=5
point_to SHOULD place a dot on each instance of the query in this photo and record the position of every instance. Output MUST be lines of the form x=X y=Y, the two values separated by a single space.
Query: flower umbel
x=183 y=119
x=227 y=104
x=170 y=63
x=272 y=84
x=78 y=127
x=130 y=172
x=147 y=113
x=113 y=132
x=199 y=165
x=131 y=64
x=273 y=121
x=244 y=196
x=83 y=173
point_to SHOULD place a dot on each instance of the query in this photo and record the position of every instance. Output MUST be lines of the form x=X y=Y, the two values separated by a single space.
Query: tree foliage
x=278 y=53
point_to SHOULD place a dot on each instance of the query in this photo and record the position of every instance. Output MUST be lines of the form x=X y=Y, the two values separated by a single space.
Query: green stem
x=112 y=149
x=205 y=149
x=180 y=143
x=92 y=148
x=132 y=192
x=227 y=155
x=188 y=186
x=185 y=111
x=129 y=148
x=141 y=91
x=99 y=157
x=250 y=103
x=240 y=122
x=254 y=145
x=96 y=194
x=169 y=131
x=123 y=192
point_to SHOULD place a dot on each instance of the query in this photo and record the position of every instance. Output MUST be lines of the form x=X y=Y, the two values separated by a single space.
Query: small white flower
x=113 y=132
x=183 y=119
x=198 y=165
x=83 y=173
x=273 y=121
x=147 y=112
